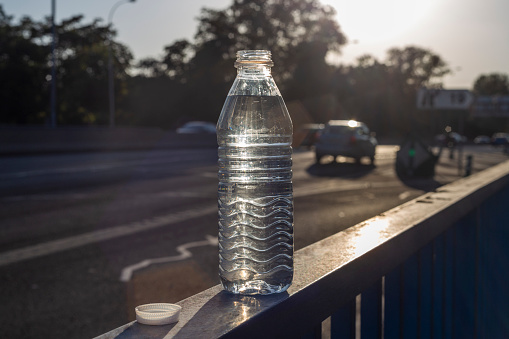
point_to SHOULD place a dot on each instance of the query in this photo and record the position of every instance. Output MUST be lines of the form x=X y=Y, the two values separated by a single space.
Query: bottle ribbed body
x=255 y=195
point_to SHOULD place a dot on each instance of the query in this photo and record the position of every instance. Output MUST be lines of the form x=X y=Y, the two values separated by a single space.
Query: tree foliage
x=23 y=70
x=382 y=93
x=414 y=67
x=81 y=59
x=492 y=84
x=285 y=27
x=299 y=33
x=82 y=56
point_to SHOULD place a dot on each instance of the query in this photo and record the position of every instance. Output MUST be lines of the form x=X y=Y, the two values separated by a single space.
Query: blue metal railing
x=435 y=267
x=456 y=286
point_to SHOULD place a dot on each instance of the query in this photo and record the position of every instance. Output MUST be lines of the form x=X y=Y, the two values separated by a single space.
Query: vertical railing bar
x=425 y=294
x=433 y=267
x=381 y=311
x=482 y=242
x=346 y=314
x=444 y=284
x=419 y=293
x=477 y=272
x=463 y=290
x=317 y=331
x=401 y=301
x=392 y=304
x=410 y=296
x=314 y=333
x=438 y=310
x=380 y=292
x=371 y=311
x=454 y=281
x=358 y=316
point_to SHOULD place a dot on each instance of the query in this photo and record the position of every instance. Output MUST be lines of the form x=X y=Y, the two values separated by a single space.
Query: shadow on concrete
x=226 y=311
x=342 y=169
x=137 y=330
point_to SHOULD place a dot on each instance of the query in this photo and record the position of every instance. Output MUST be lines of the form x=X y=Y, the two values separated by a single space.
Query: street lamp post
x=111 y=82
x=53 y=116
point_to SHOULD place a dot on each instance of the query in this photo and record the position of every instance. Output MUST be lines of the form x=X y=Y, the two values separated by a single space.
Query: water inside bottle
x=255 y=195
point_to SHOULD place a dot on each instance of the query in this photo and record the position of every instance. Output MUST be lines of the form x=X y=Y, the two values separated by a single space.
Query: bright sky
x=471 y=35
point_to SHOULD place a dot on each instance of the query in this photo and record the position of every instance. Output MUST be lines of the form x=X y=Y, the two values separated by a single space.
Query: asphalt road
x=87 y=237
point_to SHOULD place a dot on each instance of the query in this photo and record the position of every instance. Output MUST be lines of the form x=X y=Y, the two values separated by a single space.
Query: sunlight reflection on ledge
x=245 y=307
x=370 y=235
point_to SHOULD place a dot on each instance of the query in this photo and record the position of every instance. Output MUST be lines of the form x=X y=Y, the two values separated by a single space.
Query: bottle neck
x=253 y=71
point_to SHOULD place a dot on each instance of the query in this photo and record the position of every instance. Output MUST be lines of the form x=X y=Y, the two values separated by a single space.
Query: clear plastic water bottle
x=254 y=134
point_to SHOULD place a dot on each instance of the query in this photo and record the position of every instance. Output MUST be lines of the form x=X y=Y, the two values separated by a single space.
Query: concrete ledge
x=331 y=272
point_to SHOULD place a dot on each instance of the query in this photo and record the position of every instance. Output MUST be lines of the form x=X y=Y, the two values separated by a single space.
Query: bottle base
x=254 y=287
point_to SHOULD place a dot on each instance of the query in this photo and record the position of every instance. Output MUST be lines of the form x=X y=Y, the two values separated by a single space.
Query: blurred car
x=197 y=127
x=450 y=139
x=348 y=138
x=482 y=140
x=308 y=134
x=440 y=139
x=500 y=139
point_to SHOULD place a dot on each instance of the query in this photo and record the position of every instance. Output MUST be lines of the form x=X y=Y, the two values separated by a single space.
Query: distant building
x=491 y=107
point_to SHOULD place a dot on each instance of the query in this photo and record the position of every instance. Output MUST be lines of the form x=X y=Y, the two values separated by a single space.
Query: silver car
x=197 y=127
x=348 y=138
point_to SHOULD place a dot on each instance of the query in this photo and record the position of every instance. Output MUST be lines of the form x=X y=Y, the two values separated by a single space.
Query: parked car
x=482 y=140
x=348 y=138
x=197 y=127
x=500 y=139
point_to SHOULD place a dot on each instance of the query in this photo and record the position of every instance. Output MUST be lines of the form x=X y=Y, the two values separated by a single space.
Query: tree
x=413 y=67
x=25 y=54
x=82 y=56
x=24 y=71
x=492 y=84
x=299 y=33
x=382 y=94
x=369 y=91
x=409 y=69
x=281 y=26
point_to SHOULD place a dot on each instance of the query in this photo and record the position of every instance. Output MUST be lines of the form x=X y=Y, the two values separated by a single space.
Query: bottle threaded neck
x=254 y=58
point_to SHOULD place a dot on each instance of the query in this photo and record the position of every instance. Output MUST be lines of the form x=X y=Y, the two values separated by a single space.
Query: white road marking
x=387 y=172
x=209 y=174
x=68 y=243
x=59 y=245
x=127 y=272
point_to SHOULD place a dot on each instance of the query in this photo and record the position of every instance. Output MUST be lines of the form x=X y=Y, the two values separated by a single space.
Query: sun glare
x=369 y=21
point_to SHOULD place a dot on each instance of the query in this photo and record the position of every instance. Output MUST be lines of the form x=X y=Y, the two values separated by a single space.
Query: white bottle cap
x=157 y=314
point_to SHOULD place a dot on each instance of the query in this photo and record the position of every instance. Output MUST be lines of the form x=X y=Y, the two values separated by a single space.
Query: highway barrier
x=39 y=140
